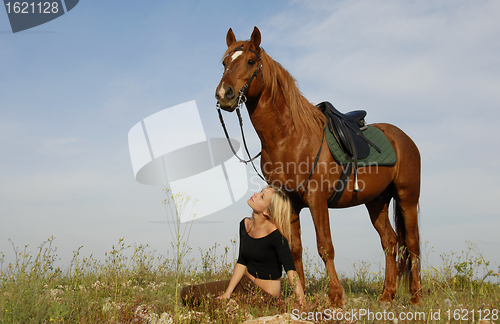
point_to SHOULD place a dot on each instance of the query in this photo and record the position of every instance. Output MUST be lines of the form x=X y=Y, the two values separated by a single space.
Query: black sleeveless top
x=266 y=256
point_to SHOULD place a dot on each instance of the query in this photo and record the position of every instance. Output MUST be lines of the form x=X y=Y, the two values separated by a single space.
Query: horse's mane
x=306 y=117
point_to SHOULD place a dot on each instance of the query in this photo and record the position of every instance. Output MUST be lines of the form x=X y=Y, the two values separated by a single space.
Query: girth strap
x=340 y=185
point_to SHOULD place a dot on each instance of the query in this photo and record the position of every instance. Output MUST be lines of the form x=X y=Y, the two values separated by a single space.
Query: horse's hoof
x=337 y=301
x=415 y=300
x=386 y=298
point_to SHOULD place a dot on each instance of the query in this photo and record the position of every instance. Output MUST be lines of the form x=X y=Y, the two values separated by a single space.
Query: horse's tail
x=404 y=260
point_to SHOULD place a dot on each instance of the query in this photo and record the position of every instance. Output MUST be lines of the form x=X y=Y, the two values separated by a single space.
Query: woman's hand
x=298 y=301
x=225 y=295
x=301 y=299
x=239 y=272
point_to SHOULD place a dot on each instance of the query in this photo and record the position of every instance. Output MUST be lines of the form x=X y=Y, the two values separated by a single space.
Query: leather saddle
x=347 y=129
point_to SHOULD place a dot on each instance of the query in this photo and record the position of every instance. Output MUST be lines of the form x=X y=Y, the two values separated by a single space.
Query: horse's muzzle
x=227 y=98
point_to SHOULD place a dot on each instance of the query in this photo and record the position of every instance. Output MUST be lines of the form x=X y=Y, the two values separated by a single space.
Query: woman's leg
x=249 y=288
x=194 y=294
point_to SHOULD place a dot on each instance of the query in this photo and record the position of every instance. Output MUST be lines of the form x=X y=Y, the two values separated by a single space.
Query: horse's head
x=242 y=78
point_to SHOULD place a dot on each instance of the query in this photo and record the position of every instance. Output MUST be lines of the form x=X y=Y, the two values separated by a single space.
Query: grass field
x=136 y=285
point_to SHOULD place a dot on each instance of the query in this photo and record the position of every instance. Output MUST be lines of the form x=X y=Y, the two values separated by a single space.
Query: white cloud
x=441 y=56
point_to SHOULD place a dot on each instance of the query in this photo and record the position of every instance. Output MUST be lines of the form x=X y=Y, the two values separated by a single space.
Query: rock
x=277 y=319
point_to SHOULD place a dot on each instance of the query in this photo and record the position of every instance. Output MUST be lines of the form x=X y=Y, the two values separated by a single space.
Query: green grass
x=136 y=285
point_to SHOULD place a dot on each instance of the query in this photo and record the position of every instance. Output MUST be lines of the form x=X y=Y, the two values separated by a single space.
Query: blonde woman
x=264 y=252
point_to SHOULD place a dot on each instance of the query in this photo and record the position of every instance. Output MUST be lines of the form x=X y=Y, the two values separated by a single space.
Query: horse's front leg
x=297 y=247
x=319 y=212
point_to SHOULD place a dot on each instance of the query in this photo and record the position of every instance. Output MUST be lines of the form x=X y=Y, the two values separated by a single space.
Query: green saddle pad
x=387 y=156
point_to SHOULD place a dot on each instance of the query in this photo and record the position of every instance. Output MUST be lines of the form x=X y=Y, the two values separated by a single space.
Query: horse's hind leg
x=379 y=215
x=407 y=193
x=407 y=217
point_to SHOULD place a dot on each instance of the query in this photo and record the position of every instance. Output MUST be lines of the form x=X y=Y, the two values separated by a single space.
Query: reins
x=241 y=100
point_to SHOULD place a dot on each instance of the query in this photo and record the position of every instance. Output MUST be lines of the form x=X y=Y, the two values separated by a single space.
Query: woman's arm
x=238 y=273
x=294 y=279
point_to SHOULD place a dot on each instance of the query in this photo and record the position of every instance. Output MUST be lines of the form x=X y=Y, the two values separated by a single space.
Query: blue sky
x=71 y=89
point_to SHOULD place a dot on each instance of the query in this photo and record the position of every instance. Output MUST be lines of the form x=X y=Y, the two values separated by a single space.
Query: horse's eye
x=223 y=64
x=251 y=62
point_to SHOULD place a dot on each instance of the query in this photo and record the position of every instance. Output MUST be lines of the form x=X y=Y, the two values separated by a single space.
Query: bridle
x=259 y=68
x=241 y=100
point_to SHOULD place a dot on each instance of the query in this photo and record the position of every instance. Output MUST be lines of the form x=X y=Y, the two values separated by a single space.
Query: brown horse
x=291 y=132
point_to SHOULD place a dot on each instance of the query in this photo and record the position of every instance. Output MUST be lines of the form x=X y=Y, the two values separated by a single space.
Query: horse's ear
x=255 y=38
x=230 y=37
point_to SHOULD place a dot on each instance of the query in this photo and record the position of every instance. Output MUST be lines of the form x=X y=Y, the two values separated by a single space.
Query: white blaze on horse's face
x=235 y=55
x=222 y=92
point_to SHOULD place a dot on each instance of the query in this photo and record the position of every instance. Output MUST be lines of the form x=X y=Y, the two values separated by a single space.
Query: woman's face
x=260 y=201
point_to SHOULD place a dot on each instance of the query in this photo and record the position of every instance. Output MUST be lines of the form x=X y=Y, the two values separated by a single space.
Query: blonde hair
x=280 y=211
